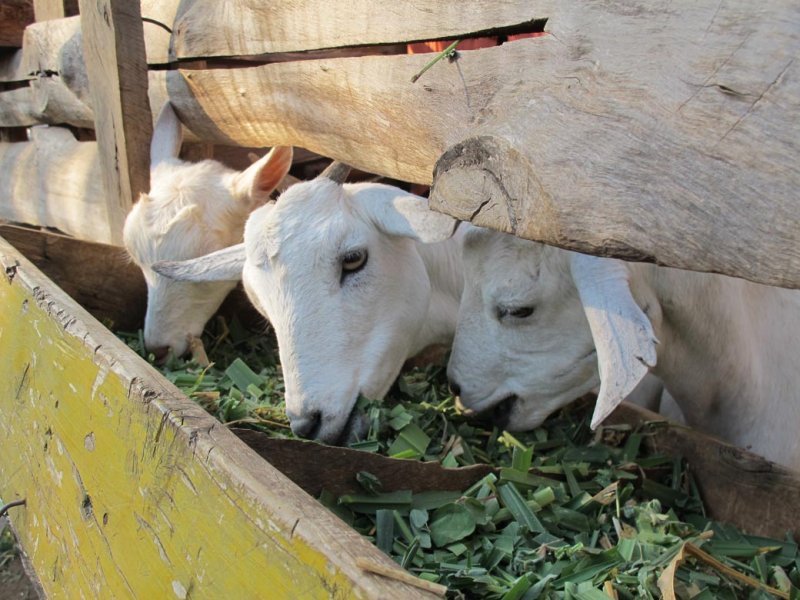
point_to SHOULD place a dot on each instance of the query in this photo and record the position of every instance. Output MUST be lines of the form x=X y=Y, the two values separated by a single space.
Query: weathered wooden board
x=653 y=134
x=134 y=491
x=55 y=47
x=14 y=16
x=114 y=54
x=650 y=132
x=101 y=278
x=739 y=487
x=54 y=181
x=46 y=100
x=46 y=10
x=45 y=45
x=334 y=469
x=646 y=131
x=206 y=28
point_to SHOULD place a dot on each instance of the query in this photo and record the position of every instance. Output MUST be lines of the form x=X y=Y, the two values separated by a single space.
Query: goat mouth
x=501 y=412
x=354 y=429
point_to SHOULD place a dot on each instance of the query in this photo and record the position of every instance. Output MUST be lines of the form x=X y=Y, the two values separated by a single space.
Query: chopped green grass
x=568 y=514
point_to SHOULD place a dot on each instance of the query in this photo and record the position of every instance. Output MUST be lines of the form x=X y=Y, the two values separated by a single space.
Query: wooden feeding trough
x=133 y=490
x=640 y=131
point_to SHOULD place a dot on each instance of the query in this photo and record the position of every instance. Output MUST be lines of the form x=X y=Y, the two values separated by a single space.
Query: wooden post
x=114 y=52
x=45 y=10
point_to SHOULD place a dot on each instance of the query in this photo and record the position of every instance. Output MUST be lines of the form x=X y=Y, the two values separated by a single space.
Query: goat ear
x=167 y=136
x=222 y=265
x=398 y=213
x=623 y=335
x=254 y=185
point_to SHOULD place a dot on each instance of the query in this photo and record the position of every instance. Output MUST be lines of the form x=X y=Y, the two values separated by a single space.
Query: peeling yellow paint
x=138 y=518
x=146 y=509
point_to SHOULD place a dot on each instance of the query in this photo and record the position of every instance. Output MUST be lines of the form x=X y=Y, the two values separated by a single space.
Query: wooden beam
x=48 y=10
x=55 y=47
x=44 y=101
x=610 y=144
x=54 y=181
x=134 y=490
x=114 y=53
x=675 y=143
x=205 y=28
x=15 y=15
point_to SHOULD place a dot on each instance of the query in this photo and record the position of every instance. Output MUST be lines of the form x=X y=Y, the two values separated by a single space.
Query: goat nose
x=159 y=352
x=455 y=389
x=307 y=426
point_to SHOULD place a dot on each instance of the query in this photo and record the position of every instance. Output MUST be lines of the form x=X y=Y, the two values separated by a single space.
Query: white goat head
x=335 y=269
x=523 y=347
x=192 y=209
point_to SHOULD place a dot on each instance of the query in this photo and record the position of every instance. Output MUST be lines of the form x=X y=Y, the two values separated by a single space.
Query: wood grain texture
x=15 y=15
x=205 y=28
x=54 y=181
x=758 y=496
x=55 y=46
x=132 y=490
x=114 y=54
x=47 y=10
x=46 y=101
x=101 y=278
x=647 y=132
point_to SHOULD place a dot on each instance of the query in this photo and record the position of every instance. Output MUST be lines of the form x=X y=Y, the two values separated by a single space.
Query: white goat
x=347 y=279
x=536 y=323
x=192 y=209
x=353 y=286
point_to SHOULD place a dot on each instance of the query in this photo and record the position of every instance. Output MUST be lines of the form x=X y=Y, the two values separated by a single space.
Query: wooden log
x=45 y=45
x=670 y=139
x=55 y=46
x=739 y=487
x=54 y=181
x=205 y=28
x=114 y=53
x=652 y=135
x=15 y=15
x=44 y=101
x=132 y=490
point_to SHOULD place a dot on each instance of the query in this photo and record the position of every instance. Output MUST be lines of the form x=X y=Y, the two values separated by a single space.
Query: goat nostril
x=501 y=413
x=307 y=426
x=455 y=389
x=160 y=352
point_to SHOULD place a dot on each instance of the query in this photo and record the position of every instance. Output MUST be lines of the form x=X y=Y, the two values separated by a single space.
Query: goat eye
x=354 y=261
x=517 y=312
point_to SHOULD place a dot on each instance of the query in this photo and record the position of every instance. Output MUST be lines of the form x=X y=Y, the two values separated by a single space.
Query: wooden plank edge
x=738 y=486
x=318 y=548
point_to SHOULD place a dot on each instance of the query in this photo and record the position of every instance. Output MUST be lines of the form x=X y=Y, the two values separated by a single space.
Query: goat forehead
x=305 y=229
x=501 y=256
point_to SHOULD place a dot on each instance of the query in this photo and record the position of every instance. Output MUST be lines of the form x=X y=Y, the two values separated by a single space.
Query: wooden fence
x=650 y=131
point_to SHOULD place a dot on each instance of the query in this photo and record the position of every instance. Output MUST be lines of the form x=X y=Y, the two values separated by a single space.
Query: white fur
x=338 y=336
x=192 y=209
x=727 y=352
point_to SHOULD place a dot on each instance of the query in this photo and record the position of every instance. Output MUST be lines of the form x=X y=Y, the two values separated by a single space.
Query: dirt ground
x=14 y=583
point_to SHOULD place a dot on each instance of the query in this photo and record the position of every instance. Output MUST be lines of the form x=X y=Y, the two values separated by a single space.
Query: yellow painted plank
x=132 y=490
